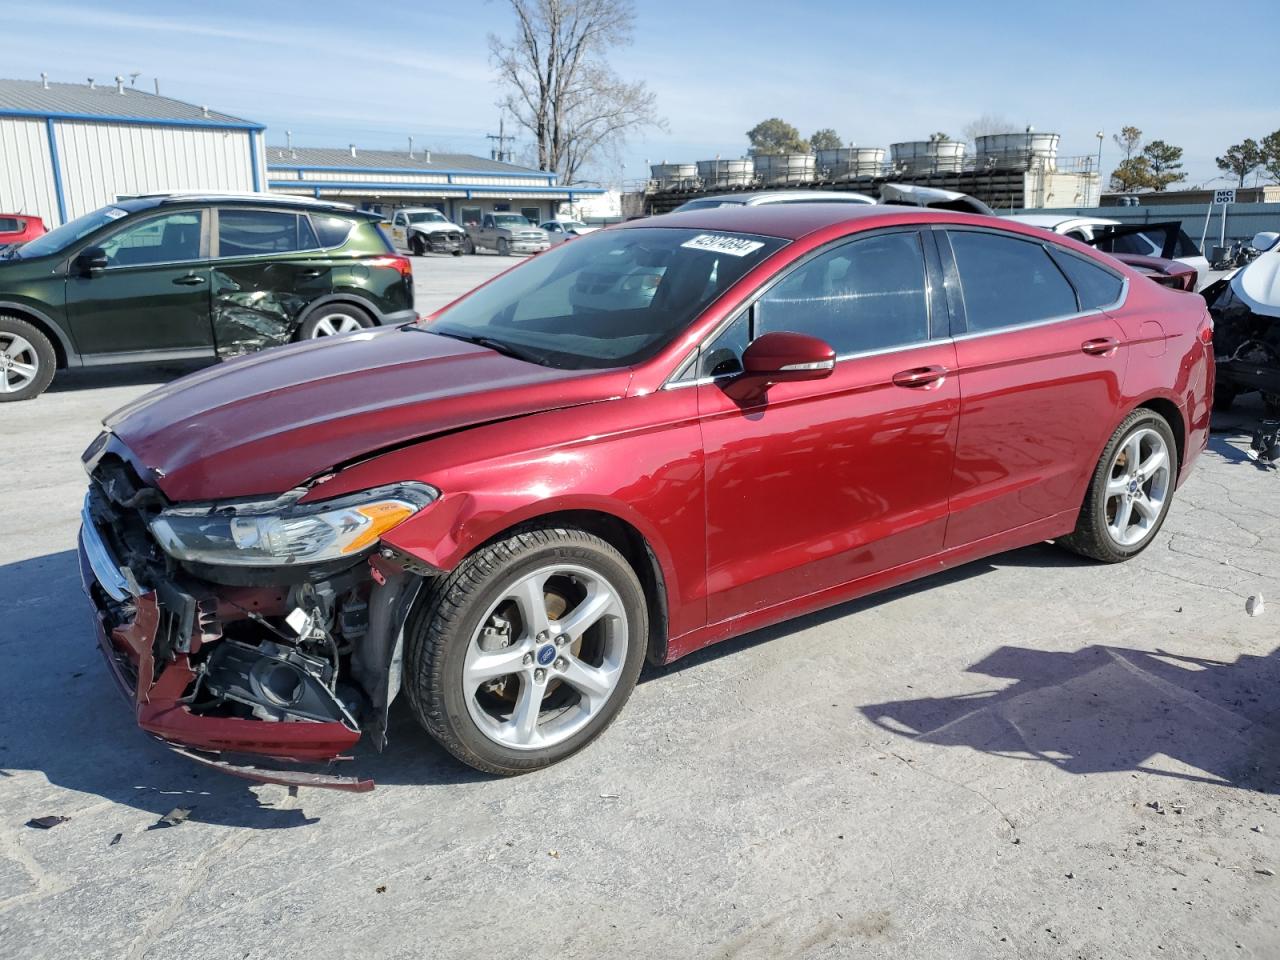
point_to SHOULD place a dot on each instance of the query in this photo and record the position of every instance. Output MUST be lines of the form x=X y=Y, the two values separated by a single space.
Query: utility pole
x=500 y=152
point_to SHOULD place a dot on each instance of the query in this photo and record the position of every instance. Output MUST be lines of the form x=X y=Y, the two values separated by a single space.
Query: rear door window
x=331 y=231
x=868 y=294
x=1008 y=282
x=10 y=225
x=244 y=233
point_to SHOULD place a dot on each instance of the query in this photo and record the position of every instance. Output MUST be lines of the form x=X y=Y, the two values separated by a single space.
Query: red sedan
x=19 y=228
x=632 y=446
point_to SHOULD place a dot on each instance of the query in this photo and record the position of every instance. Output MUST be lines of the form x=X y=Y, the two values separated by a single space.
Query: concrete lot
x=1028 y=757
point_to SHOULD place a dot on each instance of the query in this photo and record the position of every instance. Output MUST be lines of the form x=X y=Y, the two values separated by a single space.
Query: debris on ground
x=1254 y=606
x=380 y=888
x=1265 y=871
x=1157 y=806
x=46 y=823
x=116 y=839
x=554 y=853
x=171 y=819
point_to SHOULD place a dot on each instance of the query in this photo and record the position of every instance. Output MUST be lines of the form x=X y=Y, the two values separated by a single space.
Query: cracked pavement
x=1031 y=756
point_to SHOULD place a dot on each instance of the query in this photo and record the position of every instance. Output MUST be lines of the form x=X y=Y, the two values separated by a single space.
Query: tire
x=27 y=360
x=458 y=252
x=415 y=246
x=469 y=247
x=504 y=248
x=1116 y=497
x=444 y=653
x=1224 y=397
x=333 y=319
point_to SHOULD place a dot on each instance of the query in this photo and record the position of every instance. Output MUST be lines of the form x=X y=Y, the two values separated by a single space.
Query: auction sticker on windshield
x=718 y=243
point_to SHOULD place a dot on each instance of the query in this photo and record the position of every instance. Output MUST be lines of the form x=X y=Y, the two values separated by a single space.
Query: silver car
x=773 y=196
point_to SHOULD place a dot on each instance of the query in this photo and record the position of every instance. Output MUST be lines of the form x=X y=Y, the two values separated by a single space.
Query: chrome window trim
x=1060 y=318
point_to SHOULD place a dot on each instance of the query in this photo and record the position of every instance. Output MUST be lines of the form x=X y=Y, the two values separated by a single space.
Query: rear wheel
x=27 y=360
x=528 y=650
x=332 y=320
x=1130 y=493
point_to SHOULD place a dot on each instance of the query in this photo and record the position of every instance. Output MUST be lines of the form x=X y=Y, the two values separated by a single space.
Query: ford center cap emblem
x=546 y=655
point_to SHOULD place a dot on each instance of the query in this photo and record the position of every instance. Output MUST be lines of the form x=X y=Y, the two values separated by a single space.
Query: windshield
x=59 y=238
x=510 y=220
x=611 y=298
x=427 y=216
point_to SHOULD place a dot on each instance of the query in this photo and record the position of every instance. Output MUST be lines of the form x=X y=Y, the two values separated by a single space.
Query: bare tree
x=559 y=87
x=986 y=125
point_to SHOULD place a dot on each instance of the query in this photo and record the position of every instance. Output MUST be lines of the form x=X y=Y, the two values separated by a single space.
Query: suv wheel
x=334 y=319
x=1130 y=493
x=528 y=650
x=27 y=360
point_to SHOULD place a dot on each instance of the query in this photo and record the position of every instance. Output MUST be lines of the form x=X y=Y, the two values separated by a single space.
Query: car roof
x=265 y=199
x=791 y=221
x=783 y=196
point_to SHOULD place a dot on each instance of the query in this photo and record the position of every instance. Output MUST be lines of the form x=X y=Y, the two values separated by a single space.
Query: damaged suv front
x=249 y=634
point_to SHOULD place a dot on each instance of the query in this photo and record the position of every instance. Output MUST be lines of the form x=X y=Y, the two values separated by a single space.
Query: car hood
x=268 y=422
x=437 y=227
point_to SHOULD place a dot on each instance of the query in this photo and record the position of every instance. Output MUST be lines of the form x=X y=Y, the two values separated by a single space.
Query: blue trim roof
x=515 y=171
x=434 y=189
x=138 y=121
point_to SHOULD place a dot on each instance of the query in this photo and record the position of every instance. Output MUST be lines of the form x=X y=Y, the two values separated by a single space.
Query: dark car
x=505 y=510
x=177 y=277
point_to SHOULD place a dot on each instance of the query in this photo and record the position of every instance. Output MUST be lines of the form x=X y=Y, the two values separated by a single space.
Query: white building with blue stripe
x=69 y=148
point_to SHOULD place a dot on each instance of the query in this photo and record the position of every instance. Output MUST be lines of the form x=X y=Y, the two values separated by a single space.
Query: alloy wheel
x=332 y=324
x=546 y=658
x=19 y=362
x=1138 y=486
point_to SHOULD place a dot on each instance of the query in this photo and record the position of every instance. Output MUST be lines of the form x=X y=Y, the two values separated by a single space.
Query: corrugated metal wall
x=26 y=173
x=102 y=160
x=1243 y=219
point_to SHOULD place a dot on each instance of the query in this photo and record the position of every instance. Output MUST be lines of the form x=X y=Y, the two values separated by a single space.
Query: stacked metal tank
x=928 y=156
x=776 y=168
x=1017 y=151
x=674 y=176
x=719 y=174
x=846 y=163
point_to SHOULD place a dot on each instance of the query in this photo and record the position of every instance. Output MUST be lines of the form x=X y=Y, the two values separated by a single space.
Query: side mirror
x=1262 y=242
x=788 y=357
x=90 y=262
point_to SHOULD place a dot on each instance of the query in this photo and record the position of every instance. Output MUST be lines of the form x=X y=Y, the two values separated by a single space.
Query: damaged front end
x=1246 y=344
x=261 y=637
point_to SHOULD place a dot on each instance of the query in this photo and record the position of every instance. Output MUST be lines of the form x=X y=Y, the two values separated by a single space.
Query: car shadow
x=1106 y=709
x=123 y=375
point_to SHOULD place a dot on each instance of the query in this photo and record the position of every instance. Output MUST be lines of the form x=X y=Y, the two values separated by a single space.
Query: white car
x=1086 y=229
x=558 y=231
x=773 y=196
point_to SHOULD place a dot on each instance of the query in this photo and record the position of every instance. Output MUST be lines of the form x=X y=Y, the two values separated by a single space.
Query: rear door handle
x=190 y=280
x=1101 y=347
x=920 y=376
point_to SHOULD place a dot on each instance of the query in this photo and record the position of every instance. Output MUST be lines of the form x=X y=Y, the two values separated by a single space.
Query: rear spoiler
x=1170 y=229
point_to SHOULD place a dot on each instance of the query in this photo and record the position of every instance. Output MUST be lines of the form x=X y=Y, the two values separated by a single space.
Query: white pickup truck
x=506 y=233
x=418 y=230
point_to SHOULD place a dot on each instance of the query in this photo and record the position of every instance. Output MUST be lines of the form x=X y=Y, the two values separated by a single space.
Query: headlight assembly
x=283 y=532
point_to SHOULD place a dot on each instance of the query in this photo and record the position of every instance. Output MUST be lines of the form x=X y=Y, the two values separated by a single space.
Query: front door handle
x=920 y=376
x=311 y=274
x=190 y=280
x=1100 y=347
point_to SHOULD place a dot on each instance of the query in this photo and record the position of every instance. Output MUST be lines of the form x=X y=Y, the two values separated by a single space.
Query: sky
x=375 y=74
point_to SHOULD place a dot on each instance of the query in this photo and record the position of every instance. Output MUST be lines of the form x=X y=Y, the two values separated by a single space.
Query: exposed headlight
x=283 y=532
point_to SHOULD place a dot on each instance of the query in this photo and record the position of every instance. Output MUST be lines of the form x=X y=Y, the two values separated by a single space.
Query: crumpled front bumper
x=265 y=751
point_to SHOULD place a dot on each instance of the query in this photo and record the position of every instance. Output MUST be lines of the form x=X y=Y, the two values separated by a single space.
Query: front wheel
x=1130 y=493
x=469 y=246
x=528 y=650
x=504 y=248
x=27 y=360
x=416 y=247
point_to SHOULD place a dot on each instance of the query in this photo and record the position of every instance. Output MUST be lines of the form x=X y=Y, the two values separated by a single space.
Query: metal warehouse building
x=67 y=149
x=460 y=186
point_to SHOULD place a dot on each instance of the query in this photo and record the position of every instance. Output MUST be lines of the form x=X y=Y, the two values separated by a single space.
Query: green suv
x=181 y=276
